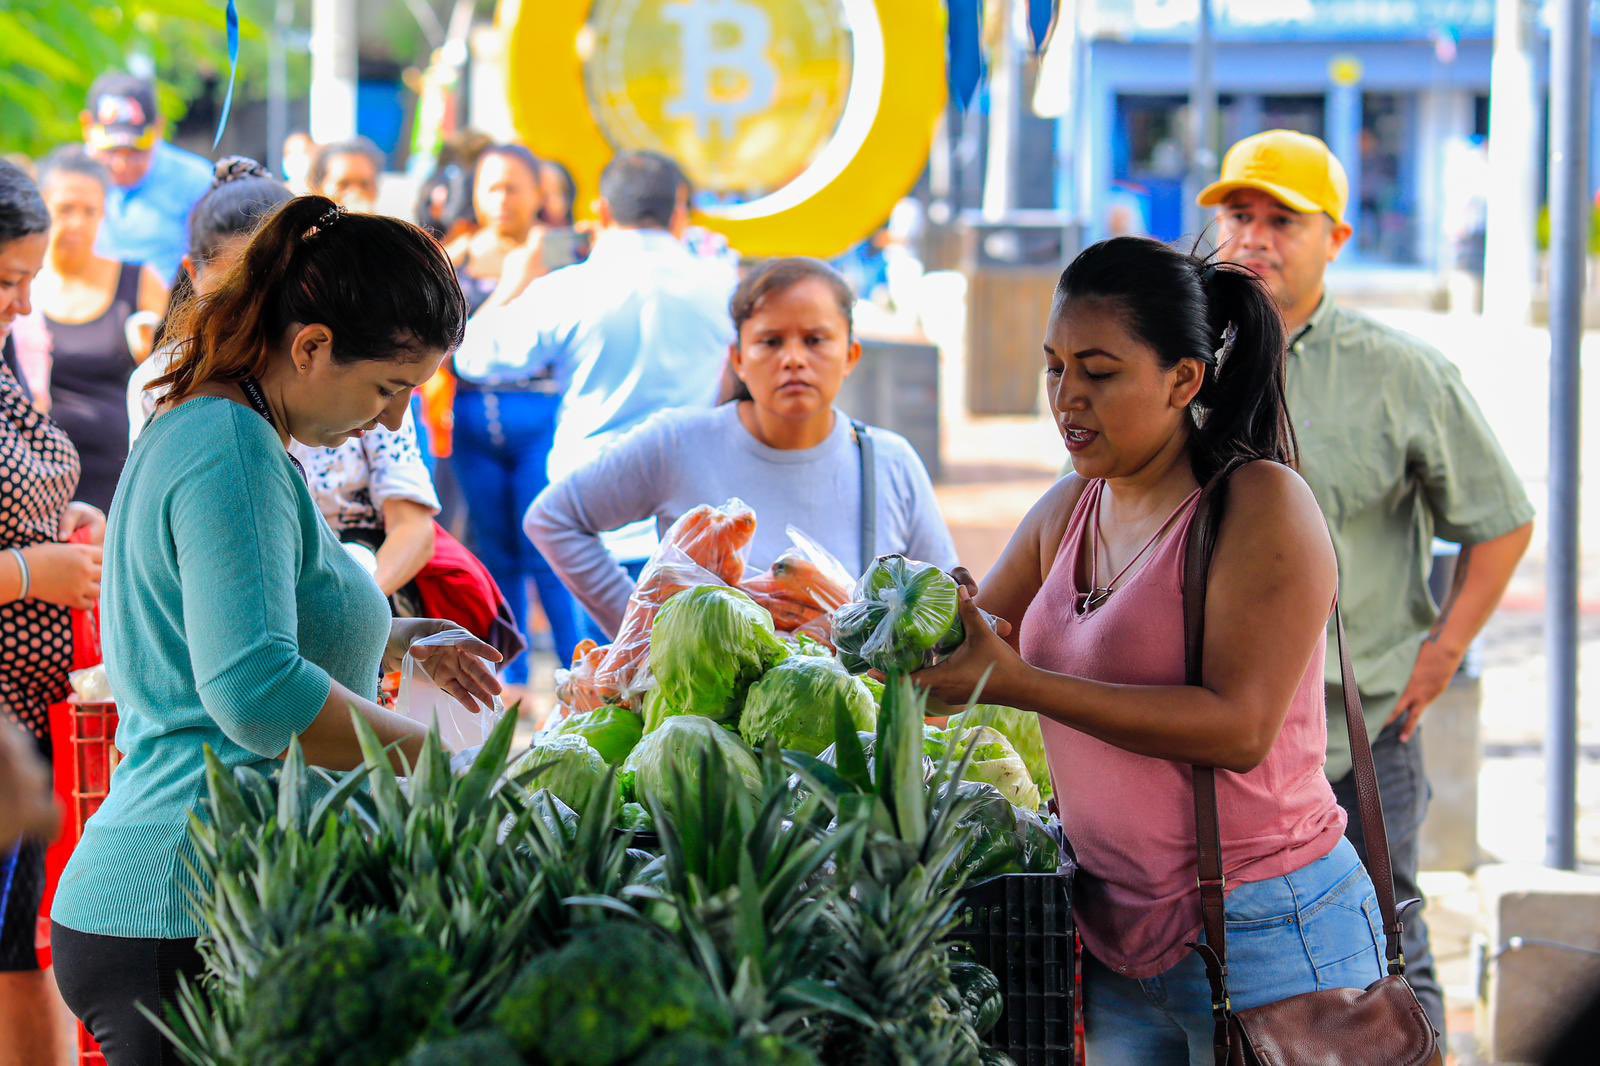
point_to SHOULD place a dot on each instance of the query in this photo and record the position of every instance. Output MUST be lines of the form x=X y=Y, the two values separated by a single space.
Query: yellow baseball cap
x=1296 y=169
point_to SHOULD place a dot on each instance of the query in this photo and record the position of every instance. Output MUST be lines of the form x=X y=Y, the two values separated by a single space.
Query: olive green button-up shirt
x=1397 y=452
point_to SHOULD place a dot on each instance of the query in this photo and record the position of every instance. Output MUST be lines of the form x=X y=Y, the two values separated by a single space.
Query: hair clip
x=236 y=168
x=1229 y=335
x=330 y=216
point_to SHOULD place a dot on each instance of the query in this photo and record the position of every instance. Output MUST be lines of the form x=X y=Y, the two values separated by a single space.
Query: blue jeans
x=502 y=446
x=1316 y=928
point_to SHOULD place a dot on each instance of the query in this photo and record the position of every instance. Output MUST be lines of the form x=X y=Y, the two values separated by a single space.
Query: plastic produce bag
x=1022 y=729
x=705 y=546
x=423 y=701
x=578 y=688
x=91 y=685
x=802 y=588
x=999 y=837
x=904 y=616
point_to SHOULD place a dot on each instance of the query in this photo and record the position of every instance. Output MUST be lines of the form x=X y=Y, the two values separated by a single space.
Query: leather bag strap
x=1208 y=832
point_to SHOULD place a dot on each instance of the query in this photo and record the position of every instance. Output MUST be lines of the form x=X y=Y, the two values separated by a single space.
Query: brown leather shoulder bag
x=1383 y=1025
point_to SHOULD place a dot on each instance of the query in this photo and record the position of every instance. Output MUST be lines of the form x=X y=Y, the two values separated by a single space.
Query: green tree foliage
x=51 y=51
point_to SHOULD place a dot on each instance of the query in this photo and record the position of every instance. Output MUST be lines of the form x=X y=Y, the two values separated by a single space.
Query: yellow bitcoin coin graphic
x=801 y=122
x=742 y=93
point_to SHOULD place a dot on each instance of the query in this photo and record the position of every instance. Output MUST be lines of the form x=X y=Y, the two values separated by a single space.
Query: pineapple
x=898 y=900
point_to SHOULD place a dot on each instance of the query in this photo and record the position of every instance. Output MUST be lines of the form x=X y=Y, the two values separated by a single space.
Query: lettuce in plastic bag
x=568 y=767
x=612 y=731
x=995 y=762
x=709 y=645
x=633 y=816
x=1000 y=838
x=1022 y=729
x=679 y=743
x=904 y=615
x=795 y=702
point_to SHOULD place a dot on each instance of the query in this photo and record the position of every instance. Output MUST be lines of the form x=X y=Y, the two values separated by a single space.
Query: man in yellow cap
x=1396 y=451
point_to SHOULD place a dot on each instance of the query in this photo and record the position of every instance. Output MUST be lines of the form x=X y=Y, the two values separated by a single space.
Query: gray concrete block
x=1527 y=991
x=1452 y=753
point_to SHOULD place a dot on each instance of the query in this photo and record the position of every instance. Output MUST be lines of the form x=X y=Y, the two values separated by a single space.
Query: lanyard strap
x=258 y=399
x=869 y=493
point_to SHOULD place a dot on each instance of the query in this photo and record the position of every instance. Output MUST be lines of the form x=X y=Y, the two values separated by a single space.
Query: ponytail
x=383 y=287
x=1243 y=409
x=1218 y=314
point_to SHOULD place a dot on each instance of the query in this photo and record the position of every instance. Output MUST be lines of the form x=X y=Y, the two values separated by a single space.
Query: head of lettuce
x=795 y=703
x=709 y=645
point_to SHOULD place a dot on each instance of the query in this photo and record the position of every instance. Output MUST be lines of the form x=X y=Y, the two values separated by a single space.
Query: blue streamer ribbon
x=233 y=70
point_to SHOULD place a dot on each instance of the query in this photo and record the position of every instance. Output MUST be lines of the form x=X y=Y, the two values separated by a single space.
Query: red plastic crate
x=94 y=757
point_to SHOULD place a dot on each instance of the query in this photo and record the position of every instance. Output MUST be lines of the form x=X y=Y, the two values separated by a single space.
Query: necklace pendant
x=1094 y=598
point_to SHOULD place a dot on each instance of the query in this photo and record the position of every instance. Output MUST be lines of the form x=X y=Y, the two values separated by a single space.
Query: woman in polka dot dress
x=41 y=580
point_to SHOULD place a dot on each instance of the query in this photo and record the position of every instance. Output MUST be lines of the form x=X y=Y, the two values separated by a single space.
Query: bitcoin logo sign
x=743 y=92
x=801 y=122
x=704 y=57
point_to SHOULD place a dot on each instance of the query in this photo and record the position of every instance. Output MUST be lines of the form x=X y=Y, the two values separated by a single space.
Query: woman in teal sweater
x=231 y=615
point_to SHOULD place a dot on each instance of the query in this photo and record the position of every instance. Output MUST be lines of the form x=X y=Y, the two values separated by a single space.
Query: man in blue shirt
x=639 y=327
x=154 y=185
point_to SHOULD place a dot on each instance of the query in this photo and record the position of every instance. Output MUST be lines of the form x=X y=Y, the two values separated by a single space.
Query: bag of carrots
x=802 y=588
x=705 y=546
x=577 y=687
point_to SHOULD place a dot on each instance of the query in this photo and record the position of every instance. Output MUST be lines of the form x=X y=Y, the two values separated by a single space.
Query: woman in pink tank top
x=1165 y=369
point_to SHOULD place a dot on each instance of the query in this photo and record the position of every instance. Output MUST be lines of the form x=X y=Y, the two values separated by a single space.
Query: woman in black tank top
x=87 y=301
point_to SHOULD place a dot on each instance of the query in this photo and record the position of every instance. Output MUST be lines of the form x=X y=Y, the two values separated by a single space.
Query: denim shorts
x=1316 y=928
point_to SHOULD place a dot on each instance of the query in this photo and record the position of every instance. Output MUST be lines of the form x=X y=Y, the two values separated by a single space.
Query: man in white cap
x=154 y=185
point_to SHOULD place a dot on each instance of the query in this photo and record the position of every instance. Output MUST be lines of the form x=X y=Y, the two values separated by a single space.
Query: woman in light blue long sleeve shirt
x=780 y=446
x=232 y=617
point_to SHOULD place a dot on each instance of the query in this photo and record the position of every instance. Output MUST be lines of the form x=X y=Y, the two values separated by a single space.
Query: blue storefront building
x=1398 y=88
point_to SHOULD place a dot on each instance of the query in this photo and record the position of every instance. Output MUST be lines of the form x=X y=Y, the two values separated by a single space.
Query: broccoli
x=352 y=995
x=479 y=1049
x=696 y=1049
x=613 y=991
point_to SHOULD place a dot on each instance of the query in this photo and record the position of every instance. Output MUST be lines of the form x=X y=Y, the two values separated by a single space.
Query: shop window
x=1385 y=216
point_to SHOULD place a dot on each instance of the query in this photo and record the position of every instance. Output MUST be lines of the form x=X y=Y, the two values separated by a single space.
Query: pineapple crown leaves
x=748 y=892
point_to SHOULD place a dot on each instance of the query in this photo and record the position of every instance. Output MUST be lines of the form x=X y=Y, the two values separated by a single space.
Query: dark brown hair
x=1186 y=307
x=382 y=286
x=325 y=154
x=777 y=276
x=22 y=210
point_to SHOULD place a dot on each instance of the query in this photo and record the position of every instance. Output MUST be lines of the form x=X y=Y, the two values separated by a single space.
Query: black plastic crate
x=1020 y=927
